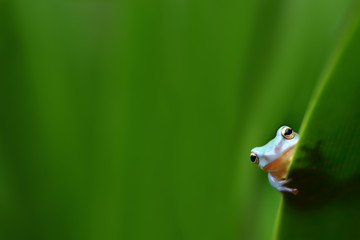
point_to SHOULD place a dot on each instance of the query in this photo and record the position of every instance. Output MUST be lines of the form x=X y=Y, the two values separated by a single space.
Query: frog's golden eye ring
x=254 y=158
x=287 y=133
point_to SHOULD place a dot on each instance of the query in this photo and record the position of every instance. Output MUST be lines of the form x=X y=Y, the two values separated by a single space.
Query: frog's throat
x=279 y=167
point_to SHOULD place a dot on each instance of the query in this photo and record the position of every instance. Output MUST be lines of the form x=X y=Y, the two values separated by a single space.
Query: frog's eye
x=287 y=133
x=254 y=158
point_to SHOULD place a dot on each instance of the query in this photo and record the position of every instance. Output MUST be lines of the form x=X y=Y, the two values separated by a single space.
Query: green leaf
x=326 y=166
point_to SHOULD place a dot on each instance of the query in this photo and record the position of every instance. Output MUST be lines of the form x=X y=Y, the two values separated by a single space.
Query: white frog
x=275 y=158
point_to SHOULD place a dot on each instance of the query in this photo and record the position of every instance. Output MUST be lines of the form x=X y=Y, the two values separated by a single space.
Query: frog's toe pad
x=294 y=191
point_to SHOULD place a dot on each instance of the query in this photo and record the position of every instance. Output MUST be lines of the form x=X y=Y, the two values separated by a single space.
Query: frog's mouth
x=278 y=168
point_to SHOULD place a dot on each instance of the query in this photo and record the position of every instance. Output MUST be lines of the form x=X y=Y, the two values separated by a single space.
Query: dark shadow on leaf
x=317 y=188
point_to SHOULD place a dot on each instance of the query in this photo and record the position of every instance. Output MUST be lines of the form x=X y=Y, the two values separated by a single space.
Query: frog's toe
x=294 y=191
x=285 y=181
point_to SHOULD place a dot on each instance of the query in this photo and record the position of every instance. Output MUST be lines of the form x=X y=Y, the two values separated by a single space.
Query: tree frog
x=275 y=158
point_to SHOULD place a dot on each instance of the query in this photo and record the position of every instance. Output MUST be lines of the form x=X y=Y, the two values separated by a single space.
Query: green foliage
x=326 y=167
x=134 y=119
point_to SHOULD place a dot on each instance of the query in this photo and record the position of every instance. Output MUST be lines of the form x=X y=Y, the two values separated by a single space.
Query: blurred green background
x=134 y=119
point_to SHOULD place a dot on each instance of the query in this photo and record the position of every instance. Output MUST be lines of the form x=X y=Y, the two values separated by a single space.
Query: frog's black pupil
x=288 y=131
x=253 y=158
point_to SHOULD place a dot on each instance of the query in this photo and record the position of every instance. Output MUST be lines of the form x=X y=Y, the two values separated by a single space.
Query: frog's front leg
x=279 y=185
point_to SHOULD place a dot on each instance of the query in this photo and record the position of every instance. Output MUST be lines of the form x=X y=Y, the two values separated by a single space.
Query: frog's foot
x=294 y=191
x=279 y=185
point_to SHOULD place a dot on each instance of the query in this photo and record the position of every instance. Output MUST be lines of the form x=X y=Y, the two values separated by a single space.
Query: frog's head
x=270 y=156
